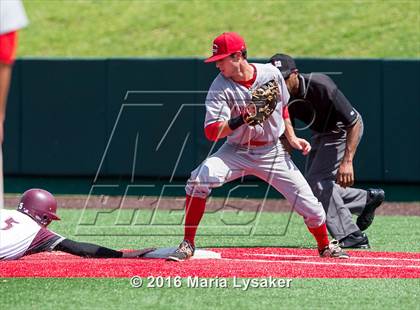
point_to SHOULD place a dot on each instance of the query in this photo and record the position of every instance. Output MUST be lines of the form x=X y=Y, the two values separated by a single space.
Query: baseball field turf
x=384 y=277
x=389 y=233
x=117 y=294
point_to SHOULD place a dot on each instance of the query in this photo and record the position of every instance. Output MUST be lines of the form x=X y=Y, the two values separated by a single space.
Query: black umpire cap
x=284 y=63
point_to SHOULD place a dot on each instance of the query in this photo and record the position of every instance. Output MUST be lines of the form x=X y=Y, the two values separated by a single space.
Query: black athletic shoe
x=184 y=252
x=355 y=241
x=375 y=198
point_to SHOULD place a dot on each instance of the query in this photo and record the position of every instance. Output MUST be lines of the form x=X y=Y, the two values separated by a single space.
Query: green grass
x=389 y=233
x=186 y=28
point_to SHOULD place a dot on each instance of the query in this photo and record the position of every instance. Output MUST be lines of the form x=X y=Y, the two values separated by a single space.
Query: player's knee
x=197 y=185
x=201 y=182
x=204 y=178
x=197 y=190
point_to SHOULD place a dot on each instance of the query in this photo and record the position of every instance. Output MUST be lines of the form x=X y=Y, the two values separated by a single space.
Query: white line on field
x=337 y=262
x=351 y=257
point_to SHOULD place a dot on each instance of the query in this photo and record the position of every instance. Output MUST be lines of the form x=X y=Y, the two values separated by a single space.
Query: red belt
x=257 y=143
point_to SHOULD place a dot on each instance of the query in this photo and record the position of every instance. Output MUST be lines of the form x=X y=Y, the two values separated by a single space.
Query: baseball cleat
x=375 y=198
x=333 y=250
x=355 y=241
x=184 y=252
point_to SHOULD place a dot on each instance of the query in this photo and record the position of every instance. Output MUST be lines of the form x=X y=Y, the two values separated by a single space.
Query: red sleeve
x=8 y=43
x=212 y=131
x=285 y=112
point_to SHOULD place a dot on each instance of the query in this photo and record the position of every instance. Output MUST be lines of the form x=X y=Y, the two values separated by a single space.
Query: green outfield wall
x=140 y=118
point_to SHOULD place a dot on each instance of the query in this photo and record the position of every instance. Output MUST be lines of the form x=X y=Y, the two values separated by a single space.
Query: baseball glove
x=263 y=103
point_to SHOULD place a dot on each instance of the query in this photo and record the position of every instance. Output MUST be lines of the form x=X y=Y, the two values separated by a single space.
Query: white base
x=199 y=254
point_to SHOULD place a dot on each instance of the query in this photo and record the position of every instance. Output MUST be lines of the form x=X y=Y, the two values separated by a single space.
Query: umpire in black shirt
x=336 y=131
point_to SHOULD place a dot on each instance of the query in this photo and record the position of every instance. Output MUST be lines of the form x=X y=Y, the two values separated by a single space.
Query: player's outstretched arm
x=90 y=250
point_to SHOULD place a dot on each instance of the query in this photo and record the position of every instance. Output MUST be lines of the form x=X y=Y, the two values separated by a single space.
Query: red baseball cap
x=226 y=44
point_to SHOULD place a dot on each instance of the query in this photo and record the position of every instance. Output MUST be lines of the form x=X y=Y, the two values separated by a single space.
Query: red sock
x=194 y=210
x=321 y=235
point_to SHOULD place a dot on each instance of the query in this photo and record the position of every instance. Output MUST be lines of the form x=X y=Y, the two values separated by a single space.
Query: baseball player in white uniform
x=24 y=231
x=249 y=150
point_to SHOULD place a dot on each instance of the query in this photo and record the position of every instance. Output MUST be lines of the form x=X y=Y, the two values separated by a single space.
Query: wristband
x=236 y=122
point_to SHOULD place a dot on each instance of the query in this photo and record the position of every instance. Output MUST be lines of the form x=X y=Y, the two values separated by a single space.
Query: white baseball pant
x=270 y=163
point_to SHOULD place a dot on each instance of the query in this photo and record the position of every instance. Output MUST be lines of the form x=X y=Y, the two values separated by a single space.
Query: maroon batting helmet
x=40 y=205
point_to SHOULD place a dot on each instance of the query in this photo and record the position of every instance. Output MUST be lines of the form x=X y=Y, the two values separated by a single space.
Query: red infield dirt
x=239 y=262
